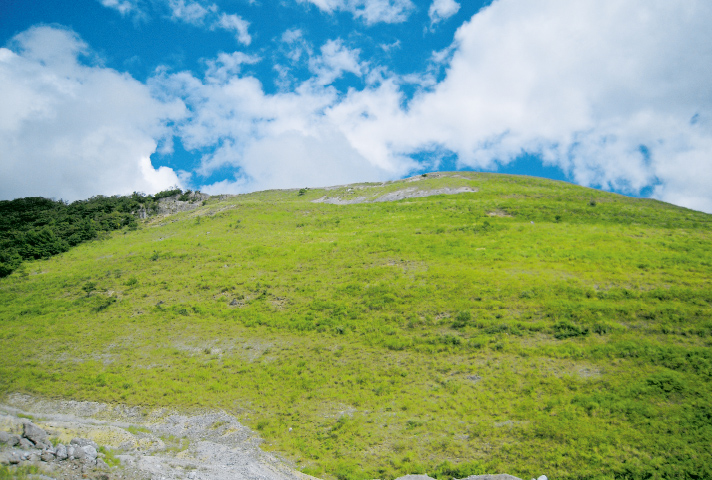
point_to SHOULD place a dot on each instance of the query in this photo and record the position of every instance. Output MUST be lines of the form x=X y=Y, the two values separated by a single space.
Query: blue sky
x=114 y=96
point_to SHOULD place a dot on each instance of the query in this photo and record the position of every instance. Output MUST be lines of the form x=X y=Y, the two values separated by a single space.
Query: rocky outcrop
x=395 y=196
x=33 y=447
x=181 y=203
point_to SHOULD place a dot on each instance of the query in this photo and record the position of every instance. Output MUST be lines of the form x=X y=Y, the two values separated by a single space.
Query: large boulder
x=83 y=442
x=9 y=439
x=77 y=452
x=496 y=476
x=36 y=435
x=47 y=456
x=14 y=458
x=25 y=444
x=61 y=452
x=90 y=452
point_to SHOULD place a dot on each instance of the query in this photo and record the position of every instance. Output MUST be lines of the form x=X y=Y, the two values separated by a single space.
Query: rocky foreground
x=79 y=440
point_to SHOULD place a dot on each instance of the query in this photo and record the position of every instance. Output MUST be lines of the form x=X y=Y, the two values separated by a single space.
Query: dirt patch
x=499 y=213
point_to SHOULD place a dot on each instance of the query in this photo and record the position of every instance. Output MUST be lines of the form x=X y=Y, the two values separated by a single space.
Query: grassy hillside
x=529 y=327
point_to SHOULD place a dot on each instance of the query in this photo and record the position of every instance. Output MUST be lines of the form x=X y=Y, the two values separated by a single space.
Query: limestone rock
x=25 y=443
x=47 y=456
x=9 y=439
x=61 y=452
x=90 y=452
x=79 y=452
x=498 y=476
x=14 y=458
x=83 y=442
x=101 y=463
x=35 y=434
x=70 y=452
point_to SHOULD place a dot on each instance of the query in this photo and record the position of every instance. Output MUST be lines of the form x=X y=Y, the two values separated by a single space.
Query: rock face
x=174 y=204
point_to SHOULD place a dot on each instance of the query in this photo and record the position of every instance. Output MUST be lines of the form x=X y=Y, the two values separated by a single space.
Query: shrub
x=564 y=330
x=462 y=319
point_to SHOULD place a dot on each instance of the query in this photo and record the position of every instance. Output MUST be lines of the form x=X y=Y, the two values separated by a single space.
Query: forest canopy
x=36 y=227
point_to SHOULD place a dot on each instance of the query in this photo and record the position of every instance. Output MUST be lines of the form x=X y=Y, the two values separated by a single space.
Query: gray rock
x=89 y=452
x=25 y=443
x=497 y=476
x=61 y=452
x=83 y=442
x=79 y=452
x=34 y=457
x=14 y=458
x=101 y=463
x=70 y=451
x=415 y=477
x=542 y=477
x=9 y=439
x=35 y=434
x=47 y=456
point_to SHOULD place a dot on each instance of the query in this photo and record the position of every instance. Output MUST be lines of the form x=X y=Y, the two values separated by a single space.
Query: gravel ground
x=158 y=444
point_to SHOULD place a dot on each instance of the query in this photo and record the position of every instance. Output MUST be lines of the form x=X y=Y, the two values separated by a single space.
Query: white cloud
x=615 y=93
x=71 y=131
x=127 y=7
x=196 y=13
x=292 y=159
x=370 y=11
x=235 y=23
x=228 y=65
x=123 y=7
x=190 y=12
x=442 y=10
x=589 y=85
x=334 y=61
x=280 y=140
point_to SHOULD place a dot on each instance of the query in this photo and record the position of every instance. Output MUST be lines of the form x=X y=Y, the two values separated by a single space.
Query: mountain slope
x=524 y=326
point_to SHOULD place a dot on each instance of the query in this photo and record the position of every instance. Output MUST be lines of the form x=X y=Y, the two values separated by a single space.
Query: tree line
x=37 y=227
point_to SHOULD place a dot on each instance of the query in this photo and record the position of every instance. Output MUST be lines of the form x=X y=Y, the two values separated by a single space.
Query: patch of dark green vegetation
x=32 y=228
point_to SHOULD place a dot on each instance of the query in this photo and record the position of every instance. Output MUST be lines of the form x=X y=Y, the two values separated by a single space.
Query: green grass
x=531 y=327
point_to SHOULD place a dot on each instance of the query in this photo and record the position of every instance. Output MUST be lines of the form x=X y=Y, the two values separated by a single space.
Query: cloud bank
x=71 y=131
x=616 y=94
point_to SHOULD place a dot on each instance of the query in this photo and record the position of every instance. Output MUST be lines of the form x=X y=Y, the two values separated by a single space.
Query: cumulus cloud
x=68 y=130
x=270 y=140
x=442 y=10
x=190 y=12
x=127 y=8
x=614 y=93
x=370 y=11
x=335 y=60
x=236 y=24
x=228 y=65
x=605 y=90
